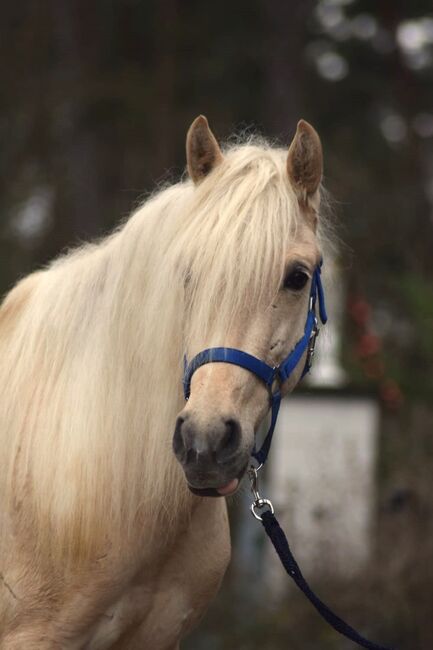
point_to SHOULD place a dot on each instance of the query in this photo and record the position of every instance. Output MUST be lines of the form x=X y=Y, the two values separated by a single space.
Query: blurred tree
x=97 y=98
x=284 y=89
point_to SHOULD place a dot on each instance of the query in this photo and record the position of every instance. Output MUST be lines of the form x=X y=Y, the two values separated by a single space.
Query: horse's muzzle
x=211 y=456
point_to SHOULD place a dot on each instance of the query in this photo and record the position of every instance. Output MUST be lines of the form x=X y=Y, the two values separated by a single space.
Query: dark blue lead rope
x=279 y=541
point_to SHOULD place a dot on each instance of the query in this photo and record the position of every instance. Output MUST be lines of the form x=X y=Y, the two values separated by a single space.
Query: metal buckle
x=259 y=502
x=312 y=344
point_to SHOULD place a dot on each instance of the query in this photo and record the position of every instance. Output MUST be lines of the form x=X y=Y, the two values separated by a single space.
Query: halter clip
x=312 y=345
x=259 y=502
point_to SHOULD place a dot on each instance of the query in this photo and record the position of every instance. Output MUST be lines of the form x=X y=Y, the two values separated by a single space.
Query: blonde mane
x=92 y=348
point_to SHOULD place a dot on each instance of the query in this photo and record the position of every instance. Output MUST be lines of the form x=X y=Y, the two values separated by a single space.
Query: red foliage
x=360 y=311
x=391 y=394
x=367 y=349
x=368 y=345
x=374 y=368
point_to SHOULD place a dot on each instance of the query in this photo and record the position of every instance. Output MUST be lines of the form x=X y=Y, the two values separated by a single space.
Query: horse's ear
x=202 y=149
x=305 y=162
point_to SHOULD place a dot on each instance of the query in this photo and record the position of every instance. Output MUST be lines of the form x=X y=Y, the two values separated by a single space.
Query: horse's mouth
x=223 y=491
x=226 y=490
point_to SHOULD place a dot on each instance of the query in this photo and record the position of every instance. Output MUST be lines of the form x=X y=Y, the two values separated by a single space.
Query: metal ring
x=261 y=503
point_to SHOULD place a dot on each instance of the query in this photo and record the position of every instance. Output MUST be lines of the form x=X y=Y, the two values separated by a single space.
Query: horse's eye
x=296 y=280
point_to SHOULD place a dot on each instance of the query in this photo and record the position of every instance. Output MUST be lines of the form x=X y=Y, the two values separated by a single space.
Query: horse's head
x=250 y=252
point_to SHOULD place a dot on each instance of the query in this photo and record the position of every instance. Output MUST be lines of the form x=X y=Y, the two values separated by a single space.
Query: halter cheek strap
x=270 y=375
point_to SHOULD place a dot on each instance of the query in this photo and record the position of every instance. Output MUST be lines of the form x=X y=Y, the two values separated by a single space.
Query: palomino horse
x=106 y=540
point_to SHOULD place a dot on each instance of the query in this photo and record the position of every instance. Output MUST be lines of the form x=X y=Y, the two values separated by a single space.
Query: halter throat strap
x=272 y=376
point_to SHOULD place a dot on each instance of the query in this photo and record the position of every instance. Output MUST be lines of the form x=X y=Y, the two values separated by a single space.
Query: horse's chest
x=140 y=616
x=155 y=611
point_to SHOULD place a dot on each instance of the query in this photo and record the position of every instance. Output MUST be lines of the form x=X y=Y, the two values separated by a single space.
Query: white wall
x=320 y=478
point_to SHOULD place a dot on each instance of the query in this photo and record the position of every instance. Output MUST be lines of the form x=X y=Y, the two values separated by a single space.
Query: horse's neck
x=90 y=386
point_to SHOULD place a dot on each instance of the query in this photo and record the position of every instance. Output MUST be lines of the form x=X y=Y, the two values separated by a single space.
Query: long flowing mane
x=92 y=347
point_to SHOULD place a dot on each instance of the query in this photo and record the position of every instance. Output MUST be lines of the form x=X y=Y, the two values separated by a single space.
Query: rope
x=280 y=543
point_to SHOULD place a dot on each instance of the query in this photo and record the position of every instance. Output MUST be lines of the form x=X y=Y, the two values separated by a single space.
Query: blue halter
x=269 y=374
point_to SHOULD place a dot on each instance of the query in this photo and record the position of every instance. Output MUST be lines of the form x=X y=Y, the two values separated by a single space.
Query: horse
x=110 y=535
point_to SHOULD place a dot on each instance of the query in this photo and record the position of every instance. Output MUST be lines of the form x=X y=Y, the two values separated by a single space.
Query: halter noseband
x=269 y=374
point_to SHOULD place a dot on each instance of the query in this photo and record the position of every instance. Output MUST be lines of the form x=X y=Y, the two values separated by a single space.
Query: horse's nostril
x=178 y=443
x=231 y=439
